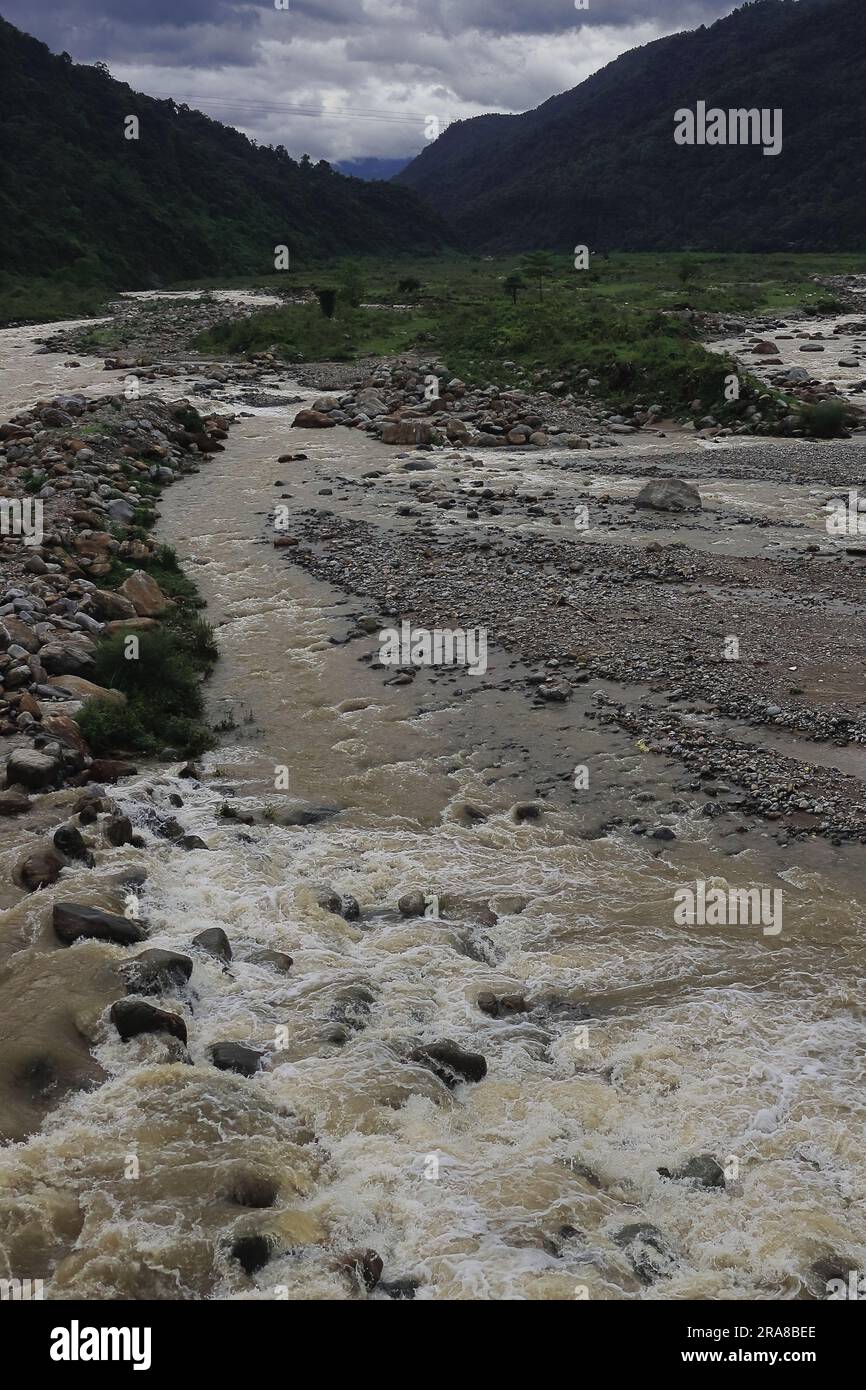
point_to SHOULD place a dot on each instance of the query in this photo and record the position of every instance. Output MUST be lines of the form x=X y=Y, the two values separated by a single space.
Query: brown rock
x=111 y=605
x=39 y=868
x=312 y=420
x=145 y=595
x=81 y=689
x=110 y=770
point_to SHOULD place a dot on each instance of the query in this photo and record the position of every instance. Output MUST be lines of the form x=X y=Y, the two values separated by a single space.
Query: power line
x=239 y=104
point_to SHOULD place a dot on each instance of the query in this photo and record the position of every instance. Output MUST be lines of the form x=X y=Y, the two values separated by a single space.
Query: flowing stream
x=655 y=1042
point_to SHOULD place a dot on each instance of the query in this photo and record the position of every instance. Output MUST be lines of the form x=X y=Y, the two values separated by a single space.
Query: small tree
x=352 y=284
x=327 y=302
x=538 y=264
x=687 y=271
x=512 y=285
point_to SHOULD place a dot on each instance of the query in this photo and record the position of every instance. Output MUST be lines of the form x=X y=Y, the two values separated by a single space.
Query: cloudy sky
x=345 y=78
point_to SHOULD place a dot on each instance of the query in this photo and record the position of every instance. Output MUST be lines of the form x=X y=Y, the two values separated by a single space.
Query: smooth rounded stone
x=502 y=1005
x=329 y=900
x=237 y=1057
x=191 y=842
x=703 y=1170
x=69 y=841
x=526 y=810
x=12 y=805
x=364 y=1265
x=145 y=595
x=669 y=495
x=155 y=971
x=39 y=868
x=118 y=831
x=215 y=942
x=111 y=606
x=663 y=832
x=412 y=904
x=312 y=420
x=450 y=1062
x=27 y=767
x=66 y=659
x=74 y=922
x=649 y=1254
x=263 y=955
x=132 y=1017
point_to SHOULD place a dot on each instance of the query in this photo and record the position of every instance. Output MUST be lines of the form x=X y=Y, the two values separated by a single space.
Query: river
x=659 y=1041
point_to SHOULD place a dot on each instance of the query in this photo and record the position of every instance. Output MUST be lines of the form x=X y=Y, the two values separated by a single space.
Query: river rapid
x=652 y=1042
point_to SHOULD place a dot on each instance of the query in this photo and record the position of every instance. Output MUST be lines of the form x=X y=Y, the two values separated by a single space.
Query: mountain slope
x=190 y=198
x=373 y=168
x=599 y=164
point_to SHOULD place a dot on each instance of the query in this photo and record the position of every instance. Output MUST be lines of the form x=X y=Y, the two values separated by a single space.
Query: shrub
x=111 y=727
x=162 y=677
x=826 y=420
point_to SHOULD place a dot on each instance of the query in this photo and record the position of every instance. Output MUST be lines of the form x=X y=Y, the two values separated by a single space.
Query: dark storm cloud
x=373 y=71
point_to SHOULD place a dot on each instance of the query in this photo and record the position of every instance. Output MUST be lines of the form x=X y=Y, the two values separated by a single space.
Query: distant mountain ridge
x=372 y=168
x=191 y=198
x=598 y=165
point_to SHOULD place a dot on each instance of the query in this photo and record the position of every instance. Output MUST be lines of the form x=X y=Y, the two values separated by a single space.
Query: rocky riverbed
x=382 y=999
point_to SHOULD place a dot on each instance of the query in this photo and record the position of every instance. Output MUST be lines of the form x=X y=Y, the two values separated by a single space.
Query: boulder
x=110 y=605
x=407 y=432
x=215 y=942
x=312 y=420
x=237 y=1057
x=75 y=922
x=110 y=769
x=145 y=595
x=39 y=868
x=669 y=495
x=27 y=767
x=703 y=1171
x=450 y=1062
x=118 y=831
x=155 y=971
x=18 y=634
x=81 y=689
x=69 y=841
x=66 y=658
x=134 y=1016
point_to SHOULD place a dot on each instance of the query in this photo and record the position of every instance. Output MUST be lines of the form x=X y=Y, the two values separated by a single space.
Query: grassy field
x=623 y=319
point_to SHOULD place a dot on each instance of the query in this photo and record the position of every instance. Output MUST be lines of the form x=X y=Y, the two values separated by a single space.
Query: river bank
x=630 y=1043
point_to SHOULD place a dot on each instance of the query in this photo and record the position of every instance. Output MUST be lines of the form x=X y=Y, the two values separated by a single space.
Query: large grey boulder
x=669 y=495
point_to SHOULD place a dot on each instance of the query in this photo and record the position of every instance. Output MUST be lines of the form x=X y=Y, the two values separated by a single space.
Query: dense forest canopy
x=599 y=165
x=189 y=198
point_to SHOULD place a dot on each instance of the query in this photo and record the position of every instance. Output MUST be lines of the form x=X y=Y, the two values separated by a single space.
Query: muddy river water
x=651 y=1043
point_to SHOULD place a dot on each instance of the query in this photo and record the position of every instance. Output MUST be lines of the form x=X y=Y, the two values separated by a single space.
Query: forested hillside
x=599 y=164
x=189 y=198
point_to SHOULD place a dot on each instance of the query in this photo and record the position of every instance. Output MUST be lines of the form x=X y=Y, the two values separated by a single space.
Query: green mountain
x=599 y=165
x=189 y=198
